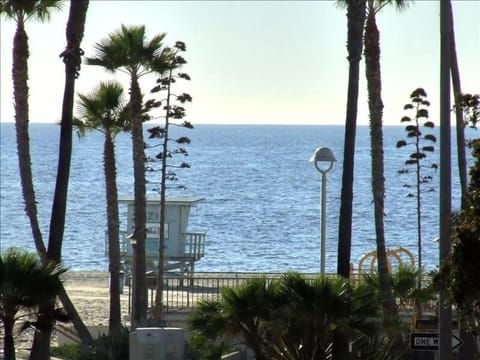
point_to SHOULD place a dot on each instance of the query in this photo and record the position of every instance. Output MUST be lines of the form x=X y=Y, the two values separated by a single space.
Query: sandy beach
x=89 y=292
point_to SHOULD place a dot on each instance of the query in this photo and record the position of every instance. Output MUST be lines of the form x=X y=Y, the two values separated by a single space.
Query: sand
x=89 y=292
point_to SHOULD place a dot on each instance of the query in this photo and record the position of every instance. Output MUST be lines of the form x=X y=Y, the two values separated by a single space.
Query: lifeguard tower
x=182 y=247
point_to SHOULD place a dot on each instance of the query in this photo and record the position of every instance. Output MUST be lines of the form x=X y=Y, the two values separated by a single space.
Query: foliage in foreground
x=108 y=347
x=66 y=352
x=405 y=287
x=25 y=285
x=105 y=347
x=289 y=318
x=461 y=272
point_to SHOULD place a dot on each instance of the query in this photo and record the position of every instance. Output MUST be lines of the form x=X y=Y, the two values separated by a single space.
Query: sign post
x=430 y=342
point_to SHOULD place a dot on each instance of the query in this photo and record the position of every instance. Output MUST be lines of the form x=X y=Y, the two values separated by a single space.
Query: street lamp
x=133 y=293
x=323 y=155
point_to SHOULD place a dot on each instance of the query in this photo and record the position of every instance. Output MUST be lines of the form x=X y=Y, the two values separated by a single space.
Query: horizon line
x=453 y=125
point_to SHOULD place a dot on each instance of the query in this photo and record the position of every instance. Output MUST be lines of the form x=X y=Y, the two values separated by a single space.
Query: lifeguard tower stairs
x=182 y=247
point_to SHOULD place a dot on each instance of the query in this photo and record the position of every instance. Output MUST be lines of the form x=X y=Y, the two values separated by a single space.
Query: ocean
x=262 y=196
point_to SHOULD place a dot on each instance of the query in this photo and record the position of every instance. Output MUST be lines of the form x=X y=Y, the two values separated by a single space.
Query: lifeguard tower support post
x=182 y=248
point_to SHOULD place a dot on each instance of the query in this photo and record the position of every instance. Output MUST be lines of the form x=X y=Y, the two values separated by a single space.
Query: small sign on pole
x=430 y=342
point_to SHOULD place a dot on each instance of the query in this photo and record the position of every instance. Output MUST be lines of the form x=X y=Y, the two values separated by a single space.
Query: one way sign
x=430 y=342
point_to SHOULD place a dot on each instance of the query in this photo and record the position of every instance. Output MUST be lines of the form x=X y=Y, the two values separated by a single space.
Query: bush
x=108 y=347
x=66 y=352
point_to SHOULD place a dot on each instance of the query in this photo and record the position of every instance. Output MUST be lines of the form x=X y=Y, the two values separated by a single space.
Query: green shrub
x=108 y=347
x=66 y=352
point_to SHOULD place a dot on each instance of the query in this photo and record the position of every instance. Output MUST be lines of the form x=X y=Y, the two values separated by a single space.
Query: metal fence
x=182 y=292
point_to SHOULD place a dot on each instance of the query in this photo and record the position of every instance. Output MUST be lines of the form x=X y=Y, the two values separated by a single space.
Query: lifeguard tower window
x=153 y=229
x=182 y=247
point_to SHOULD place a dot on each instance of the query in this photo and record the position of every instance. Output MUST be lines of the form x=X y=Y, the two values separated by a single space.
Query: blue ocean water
x=262 y=208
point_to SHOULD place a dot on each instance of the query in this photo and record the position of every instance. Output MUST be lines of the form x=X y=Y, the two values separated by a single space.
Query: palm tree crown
x=23 y=10
x=103 y=109
x=128 y=50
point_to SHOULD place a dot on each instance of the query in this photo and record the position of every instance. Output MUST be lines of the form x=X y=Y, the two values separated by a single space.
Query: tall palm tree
x=21 y=11
x=445 y=309
x=128 y=50
x=25 y=284
x=356 y=12
x=375 y=104
x=460 y=123
x=104 y=111
x=72 y=59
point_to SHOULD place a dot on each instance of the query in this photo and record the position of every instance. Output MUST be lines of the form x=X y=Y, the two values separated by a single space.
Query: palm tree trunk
x=468 y=348
x=139 y=299
x=20 y=93
x=113 y=233
x=374 y=84
x=8 y=342
x=356 y=18
x=72 y=60
x=445 y=309
x=460 y=126
x=20 y=76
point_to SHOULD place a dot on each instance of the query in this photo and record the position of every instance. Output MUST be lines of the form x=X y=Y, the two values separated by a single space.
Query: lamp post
x=323 y=155
x=133 y=293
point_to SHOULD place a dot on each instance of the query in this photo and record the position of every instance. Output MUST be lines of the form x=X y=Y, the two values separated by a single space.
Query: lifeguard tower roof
x=181 y=201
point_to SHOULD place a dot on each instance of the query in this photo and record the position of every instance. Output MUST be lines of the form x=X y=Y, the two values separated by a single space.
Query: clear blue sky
x=257 y=62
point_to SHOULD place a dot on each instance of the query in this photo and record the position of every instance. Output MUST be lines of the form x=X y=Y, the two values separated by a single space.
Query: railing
x=182 y=292
x=194 y=245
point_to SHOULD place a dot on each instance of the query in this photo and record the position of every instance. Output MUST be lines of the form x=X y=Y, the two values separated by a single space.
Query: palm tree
x=104 y=111
x=315 y=309
x=460 y=123
x=445 y=309
x=127 y=50
x=243 y=313
x=25 y=284
x=287 y=318
x=356 y=12
x=375 y=104
x=21 y=12
x=72 y=59
x=404 y=287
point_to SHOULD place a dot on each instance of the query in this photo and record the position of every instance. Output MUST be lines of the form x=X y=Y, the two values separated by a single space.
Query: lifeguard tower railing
x=194 y=250
x=194 y=245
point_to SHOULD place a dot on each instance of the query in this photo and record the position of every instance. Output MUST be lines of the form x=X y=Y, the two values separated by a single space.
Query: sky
x=255 y=62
